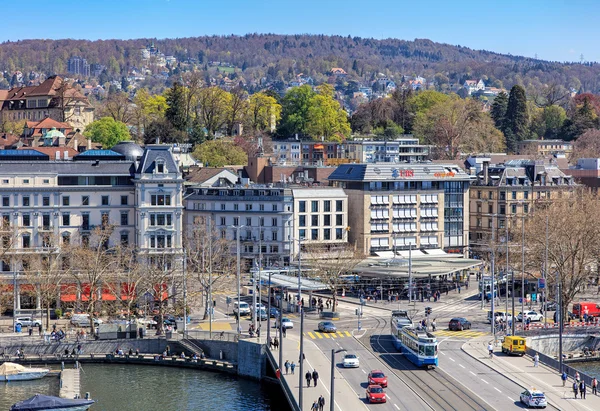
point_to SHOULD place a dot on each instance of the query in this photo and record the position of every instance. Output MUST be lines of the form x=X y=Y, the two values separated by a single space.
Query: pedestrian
x=278 y=373
x=536 y=360
x=293 y=367
x=287 y=366
x=582 y=389
x=595 y=386
x=575 y=388
x=577 y=377
x=564 y=377
x=315 y=406
x=315 y=376
x=433 y=325
x=284 y=331
x=270 y=342
x=40 y=329
x=276 y=343
x=308 y=377
x=321 y=403
x=459 y=288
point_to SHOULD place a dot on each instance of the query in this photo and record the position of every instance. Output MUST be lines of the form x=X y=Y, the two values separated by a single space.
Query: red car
x=375 y=394
x=377 y=377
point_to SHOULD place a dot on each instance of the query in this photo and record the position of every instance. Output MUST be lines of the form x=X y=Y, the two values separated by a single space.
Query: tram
x=419 y=346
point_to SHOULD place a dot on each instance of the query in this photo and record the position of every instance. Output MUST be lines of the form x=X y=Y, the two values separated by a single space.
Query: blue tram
x=419 y=346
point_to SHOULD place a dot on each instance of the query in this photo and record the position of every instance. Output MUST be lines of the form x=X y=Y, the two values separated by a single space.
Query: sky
x=557 y=30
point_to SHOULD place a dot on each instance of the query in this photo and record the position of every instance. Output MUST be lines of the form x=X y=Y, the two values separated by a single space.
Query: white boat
x=9 y=371
x=41 y=402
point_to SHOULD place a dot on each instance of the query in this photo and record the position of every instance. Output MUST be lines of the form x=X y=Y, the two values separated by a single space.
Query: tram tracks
x=436 y=388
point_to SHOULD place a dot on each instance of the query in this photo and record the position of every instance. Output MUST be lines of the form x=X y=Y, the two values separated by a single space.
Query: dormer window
x=160 y=166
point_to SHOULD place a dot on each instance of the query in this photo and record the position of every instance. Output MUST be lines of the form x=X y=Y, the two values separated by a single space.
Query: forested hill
x=282 y=57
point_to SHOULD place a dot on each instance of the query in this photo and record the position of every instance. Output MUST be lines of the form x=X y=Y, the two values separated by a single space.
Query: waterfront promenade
x=521 y=370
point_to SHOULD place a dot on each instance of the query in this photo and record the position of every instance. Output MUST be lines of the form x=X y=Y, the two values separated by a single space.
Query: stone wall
x=548 y=344
x=251 y=359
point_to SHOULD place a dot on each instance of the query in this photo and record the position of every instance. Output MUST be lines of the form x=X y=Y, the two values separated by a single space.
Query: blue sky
x=551 y=29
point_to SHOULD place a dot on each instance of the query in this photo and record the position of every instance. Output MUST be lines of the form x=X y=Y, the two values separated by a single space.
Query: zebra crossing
x=466 y=334
x=317 y=335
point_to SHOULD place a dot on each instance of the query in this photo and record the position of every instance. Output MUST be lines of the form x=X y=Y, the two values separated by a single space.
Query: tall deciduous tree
x=218 y=153
x=264 y=112
x=213 y=104
x=587 y=145
x=107 y=131
x=516 y=121
x=118 y=107
x=325 y=117
x=295 y=106
x=583 y=119
x=403 y=114
x=238 y=108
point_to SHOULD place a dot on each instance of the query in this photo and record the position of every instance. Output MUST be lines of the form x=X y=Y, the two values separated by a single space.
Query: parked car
x=459 y=324
x=83 y=320
x=532 y=315
x=27 y=322
x=375 y=394
x=377 y=377
x=285 y=323
x=327 y=327
x=550 y=306
x=534 y=398
x=241 y=308
x=350 y=361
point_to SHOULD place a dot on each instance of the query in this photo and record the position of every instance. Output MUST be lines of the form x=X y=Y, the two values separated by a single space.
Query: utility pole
x=185 y=314
x=332 y=391
x=493 y=295
x=545 y=292
x=409 y=273
x=560 y=311
x=506 y=278
x=210 y=298
x=523 y=275
x=269 y=310
x=237 y=228
x=301 y=359
x=280 y=332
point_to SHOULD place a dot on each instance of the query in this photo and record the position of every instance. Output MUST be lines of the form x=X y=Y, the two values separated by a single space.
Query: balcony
x=46 y=228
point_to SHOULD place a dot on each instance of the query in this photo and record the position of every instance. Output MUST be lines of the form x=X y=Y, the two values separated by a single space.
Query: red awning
x=68 y=298
x=108 y=297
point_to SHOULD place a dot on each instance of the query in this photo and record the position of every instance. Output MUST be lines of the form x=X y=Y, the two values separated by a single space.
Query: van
x=582 y=308
x=514 y=344
x=241 y=308
x=83 y=320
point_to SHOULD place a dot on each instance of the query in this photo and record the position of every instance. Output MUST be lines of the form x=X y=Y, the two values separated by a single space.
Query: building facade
x=545 y=148
x=417 y=206
x=400 y=150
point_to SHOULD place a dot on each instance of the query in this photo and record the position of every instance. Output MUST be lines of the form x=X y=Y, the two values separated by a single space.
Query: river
x=154 y=388
x=591 y=368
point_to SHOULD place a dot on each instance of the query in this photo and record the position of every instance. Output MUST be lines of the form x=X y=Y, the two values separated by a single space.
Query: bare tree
x=119 y=107
x=238 y=108
x=330 y=264
x=125 y=283
x=551 y=94
x=573 y=242
x=587 y=145
x=210 y=261
x=9 y=236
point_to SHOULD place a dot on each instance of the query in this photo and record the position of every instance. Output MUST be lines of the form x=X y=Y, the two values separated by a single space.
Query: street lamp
x=237 y=236
x=332 y=392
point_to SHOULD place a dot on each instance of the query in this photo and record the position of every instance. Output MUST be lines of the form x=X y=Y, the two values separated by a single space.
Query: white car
x=351 y=361
x=532 y=315
x=534 y=398
x=27 y=322
x=285 y=323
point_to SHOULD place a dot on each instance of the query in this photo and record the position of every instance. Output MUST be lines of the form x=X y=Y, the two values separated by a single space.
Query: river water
x=154 y=388
x=591 y=368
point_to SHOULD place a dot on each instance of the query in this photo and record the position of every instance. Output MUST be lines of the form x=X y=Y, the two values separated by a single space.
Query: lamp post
x=184 y=293
x=332 y=392
x=523 y=275
x=301 y=359
x=237 y=236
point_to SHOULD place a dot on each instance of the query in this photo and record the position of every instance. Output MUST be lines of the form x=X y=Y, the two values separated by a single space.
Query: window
x=160 y=199
x=273 y=222
x=26 y=241
x=302 y=222
x=490 y=223
x=302 y=234
x=5 y=201
x=490 y=195
x=314 y=206
x=26 y=201
x=26 y=220
x=236 y=207
x=339 y=234
x=327 y=206
x=248 y=207
x=124 y=239
x=525 y=195
x=514 y=195
x=525 y=208
x=85 y=221
x=490 y=209
x=327 y=220
x=46 y=221
x=502 y=209
x=222 y=221
x=261 y=221
x=513 y=209
x=339 y=219
x=104 y=200
x=160 y=167
x=339 y=205
x=4 y=181
x=66 y=201
x=327 y=234
x=302 y=206
x=274 y=236
x=66 y=219
x=85 y=200
x=124 y=218
x=45 y=201
x=261 y=207
x=164 y=219
x=502 y=195
x=248 y=221
x=236 y=221
x=104 y=218
x=314 y=221
x=501 y=224
x=26 y=181
x=479 y=194
x=274 y=207
x=479 y=222
x=314 y=234
x=124 y=200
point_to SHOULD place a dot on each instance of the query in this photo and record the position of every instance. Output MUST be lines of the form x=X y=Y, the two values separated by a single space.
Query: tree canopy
x=107 y=131
x=219 y=153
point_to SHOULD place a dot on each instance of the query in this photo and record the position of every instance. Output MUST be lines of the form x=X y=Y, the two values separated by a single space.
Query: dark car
x=167 y=320
x=274 y=312
x=549 y=306
x=459 y=324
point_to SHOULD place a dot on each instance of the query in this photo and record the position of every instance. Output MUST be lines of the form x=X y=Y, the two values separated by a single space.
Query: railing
x=207 y=335
x=554 y=363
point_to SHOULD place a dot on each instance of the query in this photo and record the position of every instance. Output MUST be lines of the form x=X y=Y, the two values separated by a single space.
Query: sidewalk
x=522 y=372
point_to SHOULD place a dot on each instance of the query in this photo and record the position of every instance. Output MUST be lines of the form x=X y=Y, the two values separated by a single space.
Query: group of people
x=314 y=376
x=254 y=330
x=579 y=385
x=289 y=366
x=273 y=343
x=319 y=404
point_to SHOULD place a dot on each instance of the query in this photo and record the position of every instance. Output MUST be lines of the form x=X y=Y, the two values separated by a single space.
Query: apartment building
x=545 y=148
x=405 y=149
x=503 y=193
x=420 y=206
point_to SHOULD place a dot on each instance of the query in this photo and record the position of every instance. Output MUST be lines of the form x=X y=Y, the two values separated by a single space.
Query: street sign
x=541 y=283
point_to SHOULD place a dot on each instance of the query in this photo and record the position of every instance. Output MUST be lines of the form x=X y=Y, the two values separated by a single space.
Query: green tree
x=553 y=118
x=516 y=121
x=264 y=112
x=107 y=131
x=295 y=106
x=498 y=110
x=219 y=153
x=176 y=111
x=583 y=119
x=425 y=100
x=213 y=106
x=326 y=118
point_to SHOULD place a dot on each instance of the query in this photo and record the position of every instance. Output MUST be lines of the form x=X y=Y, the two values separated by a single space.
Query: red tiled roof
x=48 y=123
x=8 y=140
x=48 y=88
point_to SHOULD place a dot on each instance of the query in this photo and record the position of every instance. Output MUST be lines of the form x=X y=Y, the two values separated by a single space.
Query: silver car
x=534 y=398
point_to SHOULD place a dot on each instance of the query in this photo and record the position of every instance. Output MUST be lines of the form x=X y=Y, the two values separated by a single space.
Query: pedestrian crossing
x=316 y=335
x=466 y=334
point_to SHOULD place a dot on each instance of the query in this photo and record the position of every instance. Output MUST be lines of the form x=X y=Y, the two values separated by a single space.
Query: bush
x=58 y=312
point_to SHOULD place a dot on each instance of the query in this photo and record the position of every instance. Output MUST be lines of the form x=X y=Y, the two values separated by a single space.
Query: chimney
x=57 y=155
x=75 y=144
x=65 y=155
x=486 y=174
x=89 y=144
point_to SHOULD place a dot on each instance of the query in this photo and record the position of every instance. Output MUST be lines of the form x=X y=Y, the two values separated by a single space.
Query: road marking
x=340 y=334
x=509 y=398
x=364 y=371
x=443 y=353
x=452 y=359
x=396 y=407
x=462 y=366
x=333 y=336
x=473 y=373
x=326 y=335
x=311 y=335
x=497 y=389
x=485 y=381
x=347 y=334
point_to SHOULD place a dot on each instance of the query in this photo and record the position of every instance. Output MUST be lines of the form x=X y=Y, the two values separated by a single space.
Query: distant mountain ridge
x=282 y=57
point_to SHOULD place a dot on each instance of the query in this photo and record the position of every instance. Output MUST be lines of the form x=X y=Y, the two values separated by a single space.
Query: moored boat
x=9 y=371
x=41 y=402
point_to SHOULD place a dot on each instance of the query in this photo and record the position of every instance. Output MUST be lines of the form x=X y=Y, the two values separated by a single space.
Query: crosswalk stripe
x=319 y=335
x=333 y=335
x=325 y=335
x=311 y=335
x=340 y=334
x=348 y=334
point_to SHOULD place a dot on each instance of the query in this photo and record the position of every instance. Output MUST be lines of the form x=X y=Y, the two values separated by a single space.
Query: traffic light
x=428 y=310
